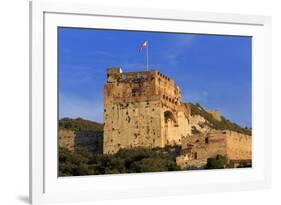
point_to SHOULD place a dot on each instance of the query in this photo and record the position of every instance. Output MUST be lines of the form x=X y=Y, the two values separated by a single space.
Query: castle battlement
x=142 y=86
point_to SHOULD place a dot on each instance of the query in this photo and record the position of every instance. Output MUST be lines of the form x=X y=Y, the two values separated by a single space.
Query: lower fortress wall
x=198 y=148
x=238 y=146
x=67 y=139
x=71 y=140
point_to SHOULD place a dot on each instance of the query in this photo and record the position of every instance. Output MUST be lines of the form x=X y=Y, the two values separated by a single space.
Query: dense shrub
x=218 y=162
x=73 y=164
x=125 y=161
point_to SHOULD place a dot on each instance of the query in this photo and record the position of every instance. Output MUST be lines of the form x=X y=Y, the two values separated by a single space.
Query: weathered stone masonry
x=71 y=140
x=236 y=147
x=142 y=109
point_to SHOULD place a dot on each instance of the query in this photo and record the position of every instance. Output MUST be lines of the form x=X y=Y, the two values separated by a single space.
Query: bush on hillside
x=217 y=162
x=125 y=161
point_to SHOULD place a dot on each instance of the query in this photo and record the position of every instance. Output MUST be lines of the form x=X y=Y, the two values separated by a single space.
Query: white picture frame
x=46 y=187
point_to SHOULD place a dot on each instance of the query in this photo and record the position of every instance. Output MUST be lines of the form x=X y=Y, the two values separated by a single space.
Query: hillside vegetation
x=80 y=124
x=137 y=160
x=224 y=124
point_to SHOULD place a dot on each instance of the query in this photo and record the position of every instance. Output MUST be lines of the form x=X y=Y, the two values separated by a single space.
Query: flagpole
x=147 y=57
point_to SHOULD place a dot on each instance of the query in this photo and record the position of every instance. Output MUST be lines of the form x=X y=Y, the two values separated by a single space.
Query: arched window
x=169 y=115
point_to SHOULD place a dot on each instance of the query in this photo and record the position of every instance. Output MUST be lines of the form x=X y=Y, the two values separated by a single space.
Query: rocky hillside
x=204 y=121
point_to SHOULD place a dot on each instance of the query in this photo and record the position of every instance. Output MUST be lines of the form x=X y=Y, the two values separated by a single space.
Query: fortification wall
x=216 y=114
x=71 y=140
x=210 y=145
x=235 y=146
x=238 y=146
x=67 y=139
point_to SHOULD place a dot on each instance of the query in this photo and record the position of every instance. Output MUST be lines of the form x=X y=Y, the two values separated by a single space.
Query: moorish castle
x=146 y=109
x=142 y=109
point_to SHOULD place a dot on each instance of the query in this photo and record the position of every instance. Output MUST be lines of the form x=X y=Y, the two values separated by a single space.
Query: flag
x=144 y=45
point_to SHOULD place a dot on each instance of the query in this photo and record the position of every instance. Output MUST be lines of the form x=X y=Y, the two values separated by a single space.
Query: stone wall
x=216 y=114
x=71 y=140
x=234 y=146
x=205 y=145
x=238 y=146
x=136 y=124
x=67 y=139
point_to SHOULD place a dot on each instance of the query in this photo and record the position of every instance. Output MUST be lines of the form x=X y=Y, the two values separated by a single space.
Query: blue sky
x=212 y=70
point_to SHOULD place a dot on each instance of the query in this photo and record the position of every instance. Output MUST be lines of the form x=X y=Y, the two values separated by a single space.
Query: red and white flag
x=144 y=45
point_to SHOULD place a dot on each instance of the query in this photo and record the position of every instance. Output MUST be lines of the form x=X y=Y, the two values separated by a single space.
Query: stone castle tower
x=142 y=109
